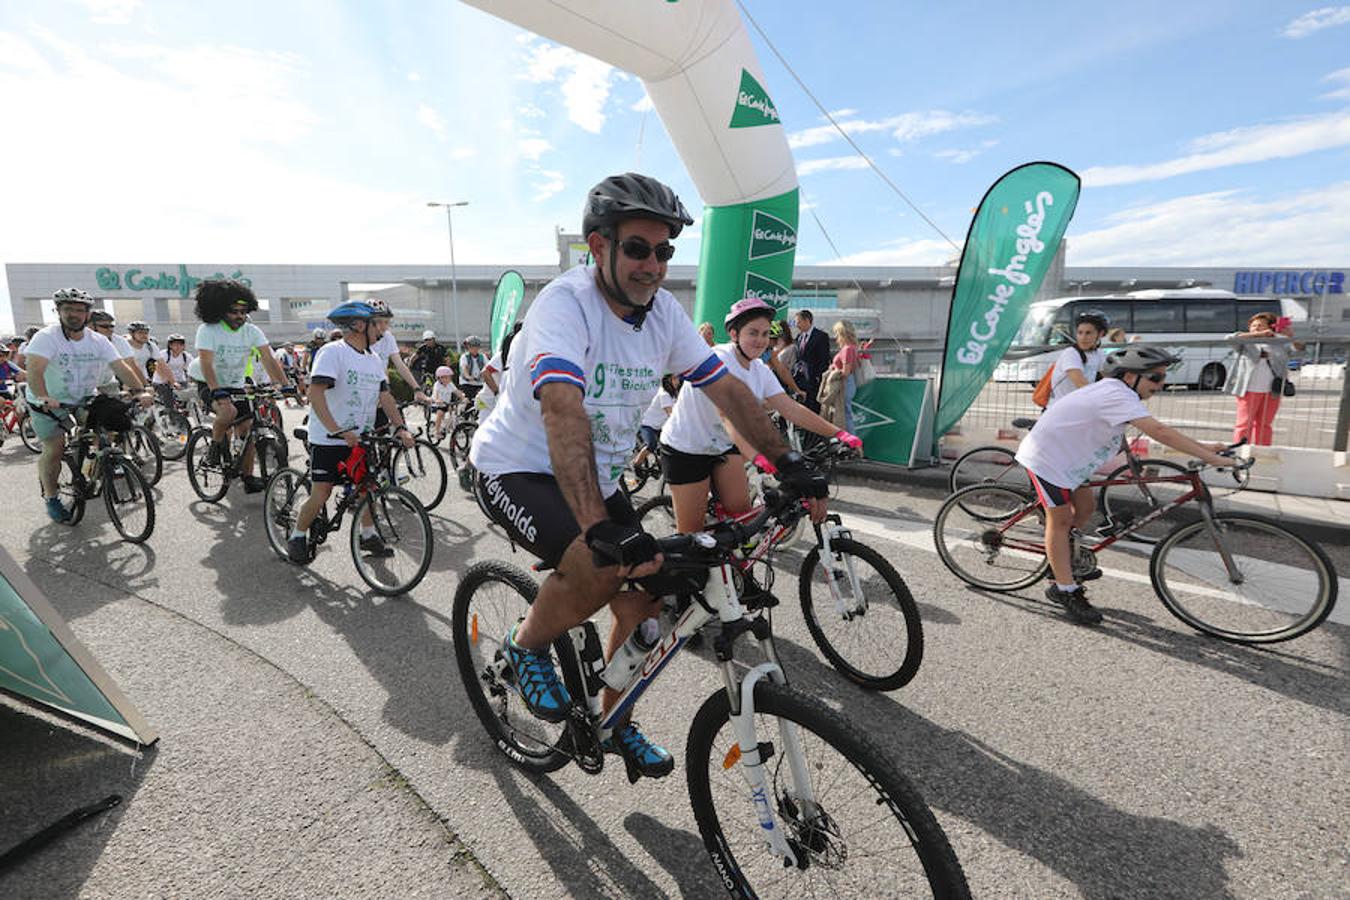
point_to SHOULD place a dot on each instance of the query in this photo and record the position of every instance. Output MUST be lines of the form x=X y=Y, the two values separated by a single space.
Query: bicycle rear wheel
x=131 y=507
x=492 y=597
x=142 y=448
x=868 y=834
x=1133 y=501
x=461 y=437
x=993 y=464
x=174 y=430
x=71 y=489
x=421 y=470
x=402 y=524
x=992 y=537
x=286 y=492
x=876 y=639
x=271 y=452
x=1285 y=585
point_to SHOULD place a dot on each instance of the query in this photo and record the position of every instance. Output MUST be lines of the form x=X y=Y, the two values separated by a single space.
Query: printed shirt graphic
x=695 y=426
x=74 y=368
x=1080 y=432
x=571 y=336
x=355 y=395
x=232 y=349
x=1069 y=359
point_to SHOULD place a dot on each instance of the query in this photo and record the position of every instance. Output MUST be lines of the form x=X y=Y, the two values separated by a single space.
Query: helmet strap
x=612 y=289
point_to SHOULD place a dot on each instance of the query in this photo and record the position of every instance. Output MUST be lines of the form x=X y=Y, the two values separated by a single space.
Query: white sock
x=367 y=533
x=296 y=534
x=1067 y=588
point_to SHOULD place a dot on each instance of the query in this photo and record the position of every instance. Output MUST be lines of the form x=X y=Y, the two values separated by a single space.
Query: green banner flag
x=505 y=305
x=1012 y=241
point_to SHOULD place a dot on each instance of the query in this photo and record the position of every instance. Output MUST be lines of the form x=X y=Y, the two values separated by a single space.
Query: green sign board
x=894 y=417
x=41 y=659
x=505 y=304
x=141 y=280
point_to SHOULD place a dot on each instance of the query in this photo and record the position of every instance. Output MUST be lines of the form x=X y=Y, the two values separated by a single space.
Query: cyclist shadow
x=123 y=568
x=1272 y=667
x=246 y=580
x=1030 y=810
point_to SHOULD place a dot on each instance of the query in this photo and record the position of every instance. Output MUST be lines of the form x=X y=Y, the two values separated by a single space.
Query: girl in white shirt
x=700 y=450
x=1077 y=366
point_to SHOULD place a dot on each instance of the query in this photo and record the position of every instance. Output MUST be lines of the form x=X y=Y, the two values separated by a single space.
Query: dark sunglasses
x=638 y=249
x=1156 y=377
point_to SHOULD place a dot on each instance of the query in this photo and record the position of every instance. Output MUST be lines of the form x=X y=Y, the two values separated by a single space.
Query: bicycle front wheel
x=461 y=437
x=131 y=507
x=993 y=464
x=421 y=470
x=992 y=537
x=208 y=479
x=492 y=597
x=28 y=435
x=403 y=536
x=174 y=431
x=70 y=487
x=861 y=615
x=285 y=493
x=142 y=448
x=858 y=829
x=1280 y=585
x=657 y=516
x=1138 y=498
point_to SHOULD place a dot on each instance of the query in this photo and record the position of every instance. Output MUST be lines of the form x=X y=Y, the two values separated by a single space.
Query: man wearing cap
x=428 y=357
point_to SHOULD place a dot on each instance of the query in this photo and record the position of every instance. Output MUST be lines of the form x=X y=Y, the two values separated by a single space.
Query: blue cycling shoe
x=641 y=757
x=537 y=680
x=56 y=511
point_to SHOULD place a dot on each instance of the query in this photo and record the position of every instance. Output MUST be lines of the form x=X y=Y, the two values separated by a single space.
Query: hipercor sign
x=1311 y=281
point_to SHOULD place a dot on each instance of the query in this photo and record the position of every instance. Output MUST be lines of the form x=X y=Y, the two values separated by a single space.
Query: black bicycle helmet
x=632 y=196
x=102 y=317
x=1094 y=317
x=1137 y=359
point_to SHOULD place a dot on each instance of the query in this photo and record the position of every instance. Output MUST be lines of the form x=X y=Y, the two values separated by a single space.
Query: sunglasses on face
x=1156 y=377
x=638 y=249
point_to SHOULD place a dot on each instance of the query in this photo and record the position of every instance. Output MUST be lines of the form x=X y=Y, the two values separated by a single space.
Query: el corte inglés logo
x=770 y=236
x=766 y=289
x=753 y=106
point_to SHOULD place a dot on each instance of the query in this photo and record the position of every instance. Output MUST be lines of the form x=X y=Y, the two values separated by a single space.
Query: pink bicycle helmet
x=444 y=370
x=743 y=308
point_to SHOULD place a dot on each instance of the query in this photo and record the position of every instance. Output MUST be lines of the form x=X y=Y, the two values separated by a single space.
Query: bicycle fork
x=856 y=605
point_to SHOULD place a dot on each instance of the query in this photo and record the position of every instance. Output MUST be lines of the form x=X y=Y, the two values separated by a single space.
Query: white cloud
x=463 y=152
x=643 y=105
x=1221 y=229
x=530 y=111
x=547 y=182
x=833 y=163
x=533 y=148
x=905 y=127
x=112 y=12
x=1341 y=77
x=414 y=76
x=432 y=119
x=1308 y=23
x=901 y=252
x=963 y=156
x=1253 y=143
x=585 y=82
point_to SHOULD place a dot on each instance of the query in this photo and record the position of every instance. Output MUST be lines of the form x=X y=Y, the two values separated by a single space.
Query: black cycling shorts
x=242 y=411
x=690 y=468
x=532 y=509
x=323 y=462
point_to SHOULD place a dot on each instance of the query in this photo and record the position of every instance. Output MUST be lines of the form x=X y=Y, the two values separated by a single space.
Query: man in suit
x=813 y=357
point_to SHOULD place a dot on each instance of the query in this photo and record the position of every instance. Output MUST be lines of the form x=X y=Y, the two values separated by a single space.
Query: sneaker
x=253 y=484
x=1075 y=603
x=213 y=453
x=375 y=546
x=641 y=757
x=297 y=548
x=537 y=680
x=56 y=511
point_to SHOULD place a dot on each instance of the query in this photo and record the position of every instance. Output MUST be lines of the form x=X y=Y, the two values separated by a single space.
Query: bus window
x=1061 y=326
x=1117 y=311
x=1248 y=308
x=1210 y=316
x=1156 y=316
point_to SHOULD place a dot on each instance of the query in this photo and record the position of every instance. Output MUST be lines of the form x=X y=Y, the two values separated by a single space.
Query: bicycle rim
x=876 y=640
x=208 y=482
x=68 y=489
x=286 y=492
x=420 y=469
x=870 y=834
x=657 y=516
x=28 y=435
x=1286 y=586
x=492 y=597
x=992 y=537
x=402 y=523
x=127 y=497
x=143 y=448
x=989 y=465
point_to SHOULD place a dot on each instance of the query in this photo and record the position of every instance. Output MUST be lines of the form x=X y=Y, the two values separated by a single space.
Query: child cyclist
x=443 y=394
x=1078 y=433
x=699 y=449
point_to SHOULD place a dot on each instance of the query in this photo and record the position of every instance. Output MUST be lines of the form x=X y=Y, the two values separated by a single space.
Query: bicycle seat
x=1023 y=423
x=300 y=434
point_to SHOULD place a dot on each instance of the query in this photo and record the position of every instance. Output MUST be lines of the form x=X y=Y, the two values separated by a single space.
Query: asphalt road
x=1137 y=759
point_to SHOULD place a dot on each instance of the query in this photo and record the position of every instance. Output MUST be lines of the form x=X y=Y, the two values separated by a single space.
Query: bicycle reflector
x=354 y=466
x=733 y=756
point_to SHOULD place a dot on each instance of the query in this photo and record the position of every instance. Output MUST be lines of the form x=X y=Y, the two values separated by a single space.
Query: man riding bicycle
x=66 y=361
x=347 y=385
x=427 y=357
x=591 y=354
x=1080 y=432
x=225 y=342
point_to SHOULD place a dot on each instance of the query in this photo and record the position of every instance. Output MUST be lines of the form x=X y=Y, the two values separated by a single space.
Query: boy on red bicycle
x=1074 y=437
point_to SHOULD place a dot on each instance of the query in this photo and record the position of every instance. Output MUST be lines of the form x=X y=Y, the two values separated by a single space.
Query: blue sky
x=305 y=132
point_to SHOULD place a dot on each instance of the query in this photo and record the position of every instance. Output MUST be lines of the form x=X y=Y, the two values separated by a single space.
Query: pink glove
x=851 y=441
x=762 y=463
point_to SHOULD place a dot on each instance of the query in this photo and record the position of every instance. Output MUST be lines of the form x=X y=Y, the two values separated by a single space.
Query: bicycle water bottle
x=628 y=658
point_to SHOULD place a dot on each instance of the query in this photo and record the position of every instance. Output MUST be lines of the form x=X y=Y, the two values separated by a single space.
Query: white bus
x=1190 y=314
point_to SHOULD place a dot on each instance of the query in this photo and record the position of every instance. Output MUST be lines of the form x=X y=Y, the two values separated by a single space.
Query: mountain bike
x=858 y=609
x=419 y=468
x=210 y=478
x=791 y=798
x=395 y=514
x=93 y=464
x=1235 y=576
x=14 y=416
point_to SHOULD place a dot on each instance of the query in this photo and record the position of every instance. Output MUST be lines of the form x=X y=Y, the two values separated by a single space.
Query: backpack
x=1046 y=386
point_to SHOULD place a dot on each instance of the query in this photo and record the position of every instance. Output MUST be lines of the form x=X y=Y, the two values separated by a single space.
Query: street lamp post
x=454 y=280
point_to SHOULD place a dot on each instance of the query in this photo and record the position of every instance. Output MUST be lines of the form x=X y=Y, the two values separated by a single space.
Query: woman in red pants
x=1257 y=376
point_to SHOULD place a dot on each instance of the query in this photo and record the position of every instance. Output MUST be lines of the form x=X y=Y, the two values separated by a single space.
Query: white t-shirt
x=1080 y=432
x=695 y=425
x=108 y=384
x=231 y=349
x=571 y=336
x=443 y=393
x=486 y=401
x=658 y=410
x=144 y=354
x=471 y=368
x=74 y=368
x=358 y=379
x=1061 y=385
x=176 y=364
x=385 y=347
